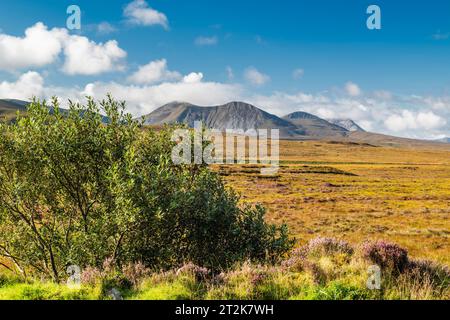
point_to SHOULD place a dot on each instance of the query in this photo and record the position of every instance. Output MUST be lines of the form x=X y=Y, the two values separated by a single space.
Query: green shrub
x=77 y=191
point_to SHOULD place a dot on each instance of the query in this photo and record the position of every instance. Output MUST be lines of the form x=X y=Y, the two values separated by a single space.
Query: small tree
x=77 y=190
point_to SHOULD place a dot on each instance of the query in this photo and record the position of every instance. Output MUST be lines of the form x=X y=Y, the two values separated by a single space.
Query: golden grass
x=357 y=192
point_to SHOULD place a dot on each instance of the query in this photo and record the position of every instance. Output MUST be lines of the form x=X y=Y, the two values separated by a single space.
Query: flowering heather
x=296 y=261
x=135 y=272
x=108 y=265
x=90 y=276
x=328 y=246
x=258 y=278
x=200 y=273
x=429 y=269
x=317 y=247
x=389 y=256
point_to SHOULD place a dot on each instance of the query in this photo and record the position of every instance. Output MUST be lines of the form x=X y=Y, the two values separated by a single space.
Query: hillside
x=348 y=124
x=315 y=126
x=233 y=116
x=9 y=108
x=240 y=115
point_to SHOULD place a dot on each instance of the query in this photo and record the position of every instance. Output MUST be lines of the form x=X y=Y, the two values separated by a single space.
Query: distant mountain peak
x=234 y=115
x=348 y=124
x=301 y=115
x=239 y=115
x=315 y=126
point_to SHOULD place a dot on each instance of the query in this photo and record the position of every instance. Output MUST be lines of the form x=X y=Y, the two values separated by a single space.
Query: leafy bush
x=75 y=190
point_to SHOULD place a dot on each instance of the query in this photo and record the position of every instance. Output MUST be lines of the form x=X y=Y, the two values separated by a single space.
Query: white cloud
x=193 y=77
x=408 y=120
x=352 y=89
x=138 y=12
x=298 y=74
x=28 y=85
x=153 y=72
x=144 y=99
x=407 y=116
x=206 y=41
x=85 y=57
x=429 y=120
x=255 y=77
x=141 y=99
x=39 y=47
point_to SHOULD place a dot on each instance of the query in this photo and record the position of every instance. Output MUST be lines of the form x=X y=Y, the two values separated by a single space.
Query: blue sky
x=317 y=56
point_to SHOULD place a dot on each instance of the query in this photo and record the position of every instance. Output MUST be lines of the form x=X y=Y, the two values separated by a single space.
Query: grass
x=356 y=192
x=46 y=291
x=353 y=192
x=323 y=273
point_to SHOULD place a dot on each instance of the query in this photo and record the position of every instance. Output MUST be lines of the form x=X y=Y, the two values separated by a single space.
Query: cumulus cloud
x=86 y=57
x=41 y=46
x=352 y=89
x=138 y=12
x=193 y=77
x=405 y=116
x=206 y=41
x=27 y=85
x=146 y=98
x=400 y=115
x=253 y=76
x=407 y=119
x=153 y=72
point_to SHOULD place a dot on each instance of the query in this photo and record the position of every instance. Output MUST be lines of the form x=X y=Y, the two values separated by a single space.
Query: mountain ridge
x=348 y=124
x=315 y=126
x=244 y=116
x=234 y=115
x=240 y=115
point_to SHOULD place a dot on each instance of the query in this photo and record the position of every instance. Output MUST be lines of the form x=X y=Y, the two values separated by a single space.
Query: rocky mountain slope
x=233 y=116
x=348 y=124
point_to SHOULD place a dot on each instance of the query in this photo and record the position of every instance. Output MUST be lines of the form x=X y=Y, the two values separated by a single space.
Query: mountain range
x=348 y=124
x=243 y=116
